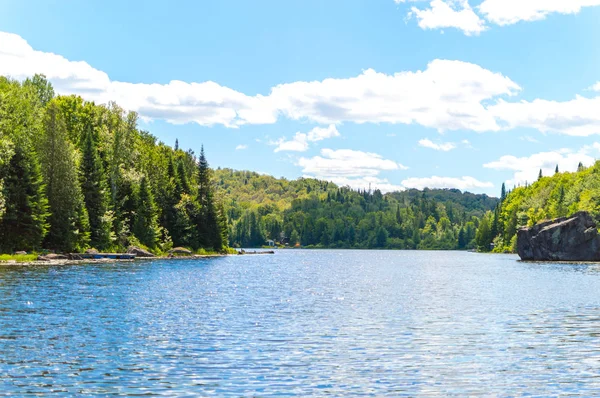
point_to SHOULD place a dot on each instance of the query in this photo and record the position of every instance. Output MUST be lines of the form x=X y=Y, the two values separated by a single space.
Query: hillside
x=549 y=197
x=317 y=213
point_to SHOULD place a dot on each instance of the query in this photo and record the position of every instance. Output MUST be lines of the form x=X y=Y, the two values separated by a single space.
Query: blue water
x=305 y=323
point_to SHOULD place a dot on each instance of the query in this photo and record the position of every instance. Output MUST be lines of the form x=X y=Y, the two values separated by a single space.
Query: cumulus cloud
x=508 y=12
x=301 y=141
x=463 y=183
x=444 y=146
x=241 y=147
x=596 y=87
x=449 y=14
x=577 y=117
x=447 y=95
x=347 y=167
x=527 y=168
x=206 y=103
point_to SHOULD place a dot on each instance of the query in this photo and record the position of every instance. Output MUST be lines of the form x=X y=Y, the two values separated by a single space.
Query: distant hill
x=315 y=213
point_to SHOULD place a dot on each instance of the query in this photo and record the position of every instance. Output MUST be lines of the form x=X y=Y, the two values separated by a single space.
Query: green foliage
x=560 y=195
x=24 y=223
x=320 y=214
x=107 y=184
x=69 y=223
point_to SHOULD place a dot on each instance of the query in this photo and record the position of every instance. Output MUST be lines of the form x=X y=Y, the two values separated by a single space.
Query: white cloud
x=241 y=147
x=508 y=12
x=596 y=87
x=444 y=146
x=578 y=117
x=177 y=102
x=449 y=14
x=527 y=168
x=529 y=139
x=301 y=141
x=463 y=183
x=351 y=168
x=448 y=95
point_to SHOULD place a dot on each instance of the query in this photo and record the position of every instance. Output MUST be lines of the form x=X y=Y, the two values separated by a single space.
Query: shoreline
x=137 y=259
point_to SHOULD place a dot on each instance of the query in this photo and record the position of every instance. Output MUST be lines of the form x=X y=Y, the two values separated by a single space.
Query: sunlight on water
x=303 y=323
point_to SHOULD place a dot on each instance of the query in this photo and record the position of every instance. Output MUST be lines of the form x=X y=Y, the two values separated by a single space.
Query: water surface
x=318 y=323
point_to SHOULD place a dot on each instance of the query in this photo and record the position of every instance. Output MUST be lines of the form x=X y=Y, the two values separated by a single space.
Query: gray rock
x=91 y=251
x=180 y=250
x=139 y=252
x=572 y=238
x=52 y=256
x=20 y=253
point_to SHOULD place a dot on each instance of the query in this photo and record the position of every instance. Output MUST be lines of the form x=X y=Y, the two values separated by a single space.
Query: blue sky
x=392 y=93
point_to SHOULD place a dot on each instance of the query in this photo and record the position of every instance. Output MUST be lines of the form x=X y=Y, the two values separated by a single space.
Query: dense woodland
x=559 y=195
x=320 y=214
x=77 y=175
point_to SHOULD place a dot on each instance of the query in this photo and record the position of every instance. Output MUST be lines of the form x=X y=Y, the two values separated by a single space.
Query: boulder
x=180 y=250
x=20 y=253
x=139 y=252
x=91 y=251
x=572 y=238
x=52 y=256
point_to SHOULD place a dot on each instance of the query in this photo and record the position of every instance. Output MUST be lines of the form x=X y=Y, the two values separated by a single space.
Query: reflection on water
x=303 y=323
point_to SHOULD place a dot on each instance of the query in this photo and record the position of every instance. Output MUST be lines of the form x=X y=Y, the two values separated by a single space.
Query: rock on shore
x=572 y=238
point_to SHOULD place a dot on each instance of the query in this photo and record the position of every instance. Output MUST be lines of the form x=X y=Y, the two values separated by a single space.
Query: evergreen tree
x=556 y=170
x=540 y=175
x=503 y=193
x=580 y=167
x=69 y=225
x=93 y=186
x=145 y=226
x=24 y=224
x=208 y=227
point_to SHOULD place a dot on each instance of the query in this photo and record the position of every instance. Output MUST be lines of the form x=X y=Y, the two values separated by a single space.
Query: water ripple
x=302 y=323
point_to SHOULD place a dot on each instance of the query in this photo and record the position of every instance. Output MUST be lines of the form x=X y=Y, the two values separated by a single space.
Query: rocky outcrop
x=572 y=238
x=139 y=252
x=181 y=251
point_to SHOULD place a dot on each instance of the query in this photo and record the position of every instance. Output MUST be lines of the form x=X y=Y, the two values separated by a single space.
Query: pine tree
x=24 y=224
x=145 y=226
x=580 y=167
x=94 y=188
x=208 y=230
x=556 y=171
x=503 y=193
x=540 y=175
x=69 y=225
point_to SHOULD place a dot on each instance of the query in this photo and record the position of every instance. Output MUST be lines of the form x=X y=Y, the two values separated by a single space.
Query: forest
x=76 y=175
x=319 y=214
x=559 y=195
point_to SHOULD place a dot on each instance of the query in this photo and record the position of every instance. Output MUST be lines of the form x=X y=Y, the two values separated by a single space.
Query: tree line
x=315 y=213
x=75 y=175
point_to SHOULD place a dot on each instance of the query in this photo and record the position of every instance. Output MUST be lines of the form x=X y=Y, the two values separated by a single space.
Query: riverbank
x=138 y=259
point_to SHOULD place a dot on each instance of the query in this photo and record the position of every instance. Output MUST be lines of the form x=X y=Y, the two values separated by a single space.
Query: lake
x=305 y=323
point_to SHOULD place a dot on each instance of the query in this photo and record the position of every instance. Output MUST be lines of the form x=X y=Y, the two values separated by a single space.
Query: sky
x=391 y=94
